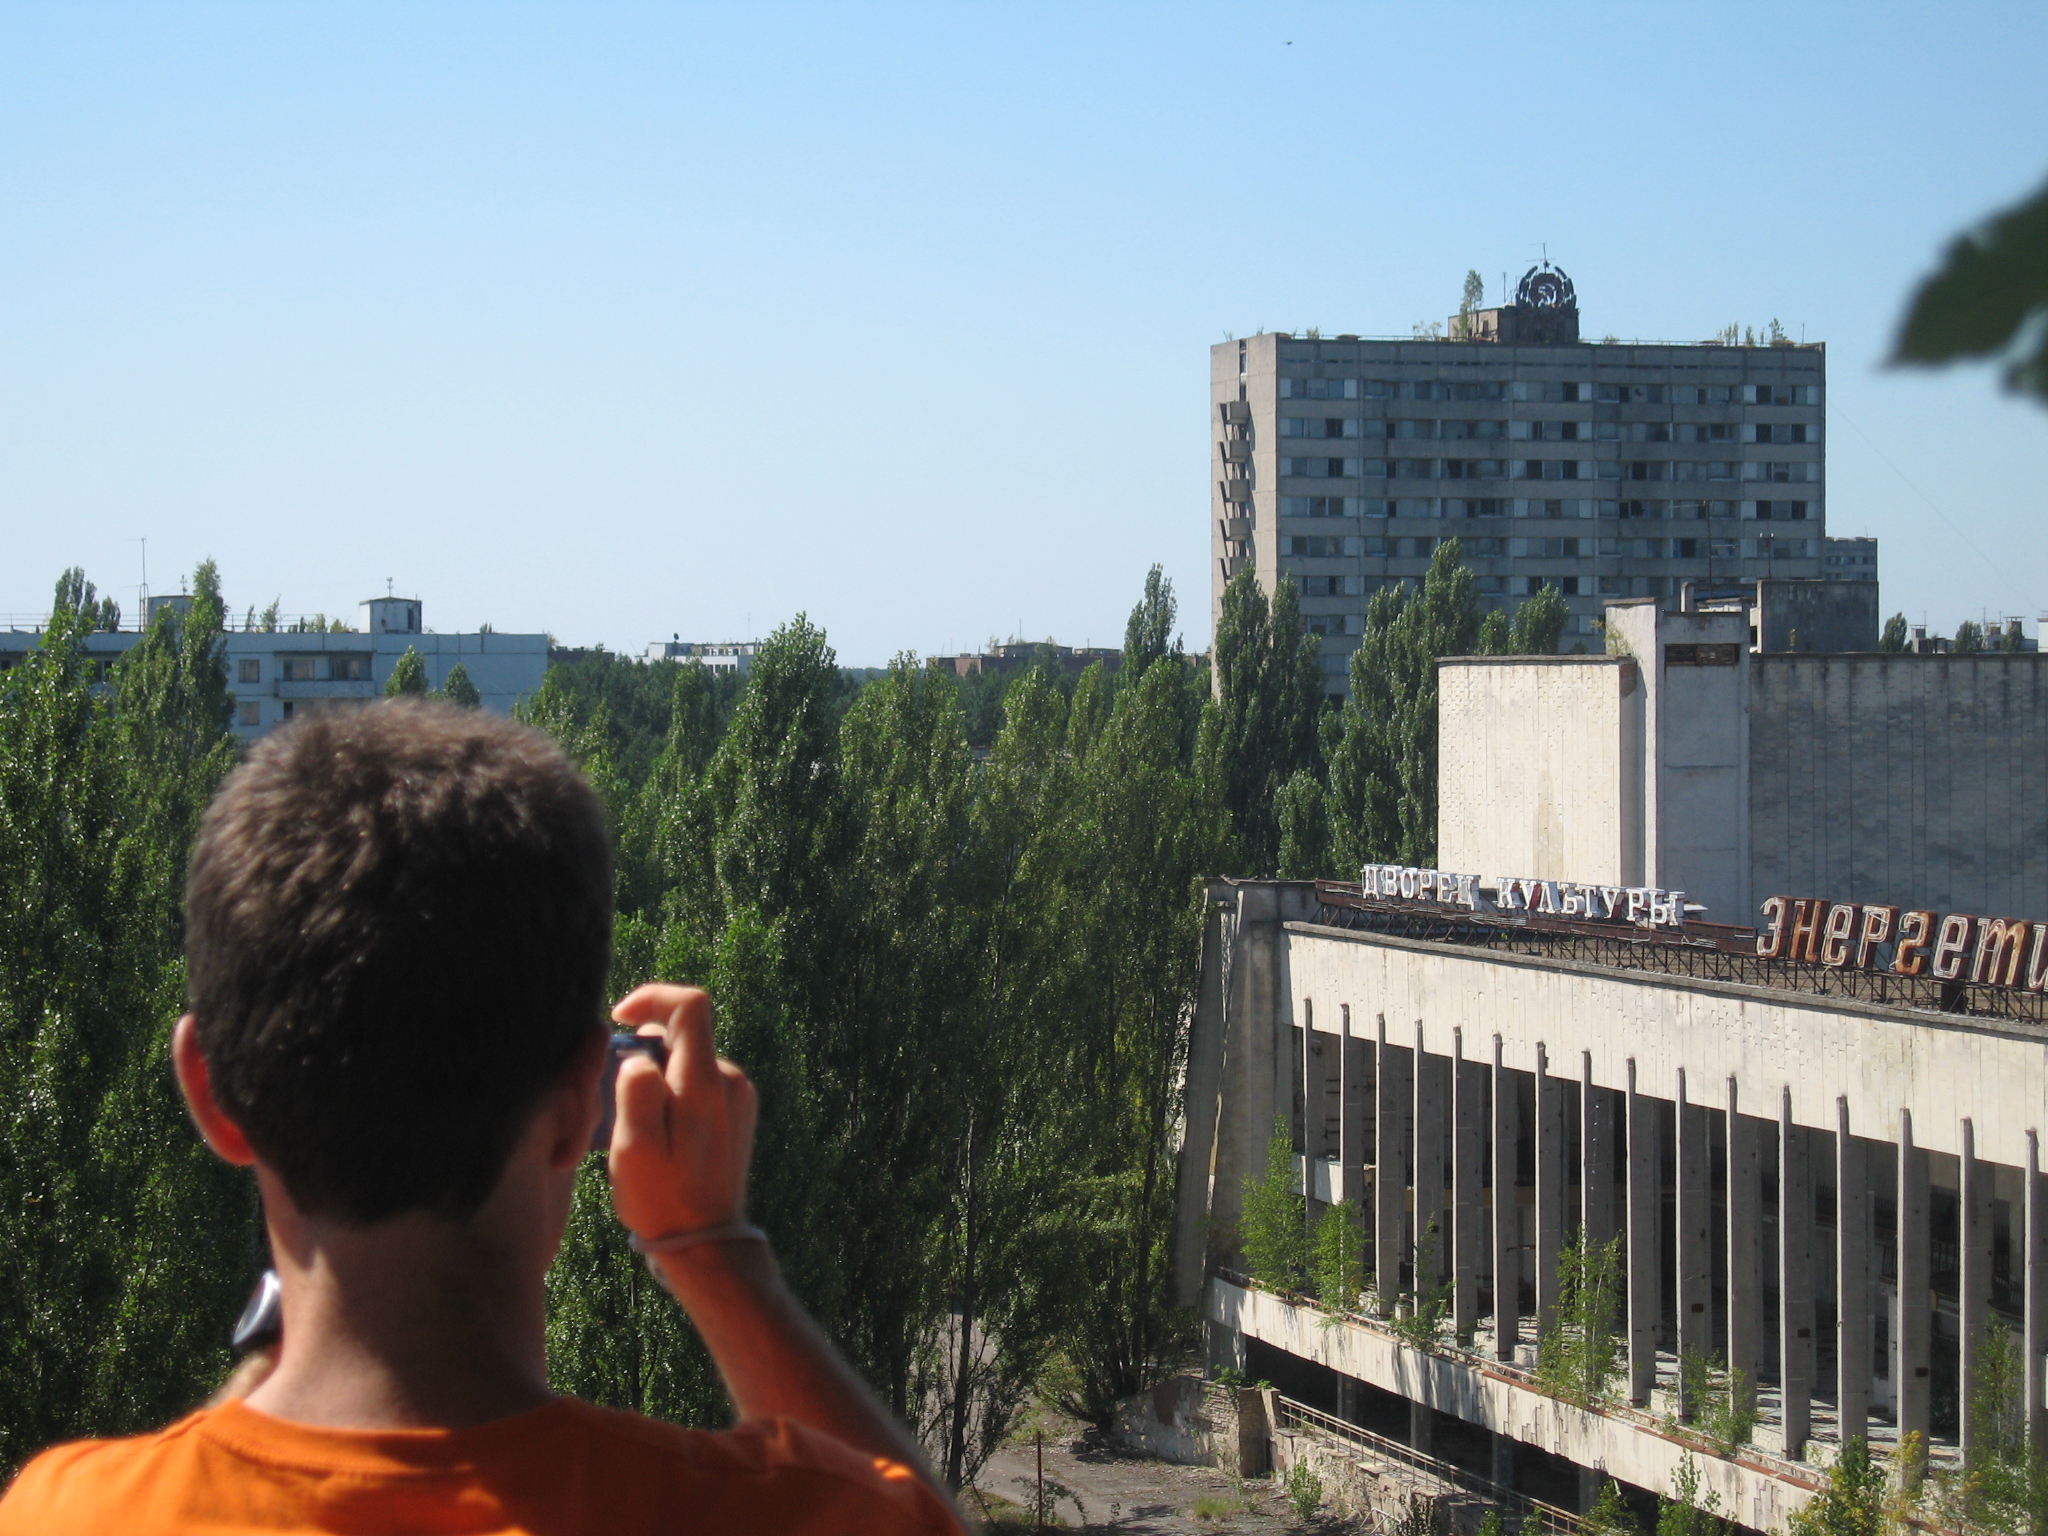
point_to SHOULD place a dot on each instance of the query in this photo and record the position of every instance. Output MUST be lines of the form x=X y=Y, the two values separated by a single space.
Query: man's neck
x=415 y=1322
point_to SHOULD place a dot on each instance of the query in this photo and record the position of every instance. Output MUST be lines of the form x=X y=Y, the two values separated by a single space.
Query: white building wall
x=1539 y=767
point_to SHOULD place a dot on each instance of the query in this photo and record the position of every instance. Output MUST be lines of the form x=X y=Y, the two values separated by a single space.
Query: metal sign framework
x=1706 y=950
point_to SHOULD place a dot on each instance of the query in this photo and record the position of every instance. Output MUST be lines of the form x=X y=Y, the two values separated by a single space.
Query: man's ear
x=573 y=1109
x=196 y=1083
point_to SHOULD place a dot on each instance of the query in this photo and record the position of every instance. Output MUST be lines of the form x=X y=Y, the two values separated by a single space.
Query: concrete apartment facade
x=276 y=674
x=1612 y=469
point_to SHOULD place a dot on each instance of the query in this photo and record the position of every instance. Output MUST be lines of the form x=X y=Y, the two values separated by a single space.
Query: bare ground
x=1093 y=1485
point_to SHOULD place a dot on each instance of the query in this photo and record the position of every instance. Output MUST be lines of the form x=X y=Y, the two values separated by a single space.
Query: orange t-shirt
x=567 y=1467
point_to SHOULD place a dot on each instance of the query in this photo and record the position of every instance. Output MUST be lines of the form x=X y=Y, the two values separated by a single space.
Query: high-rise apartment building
x=1613 y=469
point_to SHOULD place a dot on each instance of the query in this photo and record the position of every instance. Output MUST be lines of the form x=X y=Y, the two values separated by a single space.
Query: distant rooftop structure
x=307 y=661
x=715 y=656
x=1016 y=656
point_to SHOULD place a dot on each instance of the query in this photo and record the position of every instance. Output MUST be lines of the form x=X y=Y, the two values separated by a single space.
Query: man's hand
x=683 y=1139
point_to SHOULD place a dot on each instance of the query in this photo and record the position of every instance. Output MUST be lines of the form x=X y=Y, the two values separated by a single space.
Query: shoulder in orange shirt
x=564 y=1468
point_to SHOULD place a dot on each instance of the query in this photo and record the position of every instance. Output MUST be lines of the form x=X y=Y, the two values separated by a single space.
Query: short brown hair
x=398 y=928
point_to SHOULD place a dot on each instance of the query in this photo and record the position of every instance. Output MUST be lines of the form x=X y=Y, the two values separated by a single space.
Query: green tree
x=1473 y=296
x=1578 y=1356
x=1149 y=636
x=1383 y=769
x=1539 y=623
x=1274 y=1235
x=1893 y=640
x=1969 y=639
x=112 y=1318
x=1337 y=1257
x=2012 y=639
x=1852 y=1503
x=408 y=678
x=1304 y=828
x=1988 y=299
x=1262 y=728
x=1688 y=1512
x=458 y=690
x=1610 y=1514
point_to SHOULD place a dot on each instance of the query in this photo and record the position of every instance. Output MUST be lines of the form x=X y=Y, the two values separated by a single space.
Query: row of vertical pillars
x=1477 y=1176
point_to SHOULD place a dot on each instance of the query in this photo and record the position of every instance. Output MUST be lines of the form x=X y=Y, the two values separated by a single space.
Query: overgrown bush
x=1275 y=1219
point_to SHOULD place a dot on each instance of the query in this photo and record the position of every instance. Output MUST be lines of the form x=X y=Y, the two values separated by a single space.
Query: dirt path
x=1092 y=1485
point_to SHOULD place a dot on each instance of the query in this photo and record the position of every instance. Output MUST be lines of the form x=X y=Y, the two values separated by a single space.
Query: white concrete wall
x=1538 y=768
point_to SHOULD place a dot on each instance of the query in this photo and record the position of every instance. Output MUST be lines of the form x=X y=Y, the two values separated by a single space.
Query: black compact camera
x=621 y=1045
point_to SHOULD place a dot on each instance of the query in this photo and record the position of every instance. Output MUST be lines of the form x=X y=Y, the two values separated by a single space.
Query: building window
x=289 y=709
x=1479 y=548
x=348 y=669
x=1414 y=549
x=1415 y=506
x=249 y=670
x=1781 y=511
x=1721 y=549
x=249 y=713
x=1781 y=473
x=297 y=669
x=1319 y=426
x=1701 y=394
x=1474 y=469
x=1705 y=432
x=1781 y=432
x=1319 y=389
x=1781 y=394
x=1319 y=506
x=1484 y=506
x=1491 y=586
x=1685 y=549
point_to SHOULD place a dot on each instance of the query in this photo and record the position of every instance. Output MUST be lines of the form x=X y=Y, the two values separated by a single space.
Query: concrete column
x=1852 y=1279
x=1549 y=1190
x=1502 y=1469
x=1432 y=1250
x=1695 y=1213
x=1507 y=1214
x=1795 y=1280
x=1973 y=1289
x=1350 y=1114
x=1390 y=1169
x=1422 y=1428
x=2034 y=1298
x=1596 y=1155
x=1645 y=1257
x=1916 y=1301
x=1746 y=1321
x=1314 y=1100
x=1468 y=1210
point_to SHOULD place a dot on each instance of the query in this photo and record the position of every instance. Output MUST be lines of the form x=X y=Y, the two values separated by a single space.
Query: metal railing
x=1530 y=1516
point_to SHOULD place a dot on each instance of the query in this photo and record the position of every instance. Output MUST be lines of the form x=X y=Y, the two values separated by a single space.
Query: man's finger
x=643 y=1107
x=692 y=1057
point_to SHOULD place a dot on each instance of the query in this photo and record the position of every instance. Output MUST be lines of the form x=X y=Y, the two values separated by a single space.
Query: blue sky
x=622 y=321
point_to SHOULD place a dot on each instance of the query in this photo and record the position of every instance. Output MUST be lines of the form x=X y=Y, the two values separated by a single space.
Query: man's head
x=398 y=933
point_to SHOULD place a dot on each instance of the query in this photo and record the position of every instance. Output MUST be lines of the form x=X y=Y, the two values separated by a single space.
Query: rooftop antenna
x=142 y=592
x=387 y=586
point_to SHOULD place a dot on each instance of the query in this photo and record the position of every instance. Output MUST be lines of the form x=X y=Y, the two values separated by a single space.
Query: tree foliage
x=128 y=1246
x=408 y=679
x=458 y=690
x=1274 y=1236
x=1262 y=728
x=1382 y=772
x=1893 y=640
x=1988 y=299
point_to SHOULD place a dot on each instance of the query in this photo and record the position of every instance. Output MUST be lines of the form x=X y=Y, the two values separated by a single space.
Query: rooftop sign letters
x=1644 y=906
x=1991 y=951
